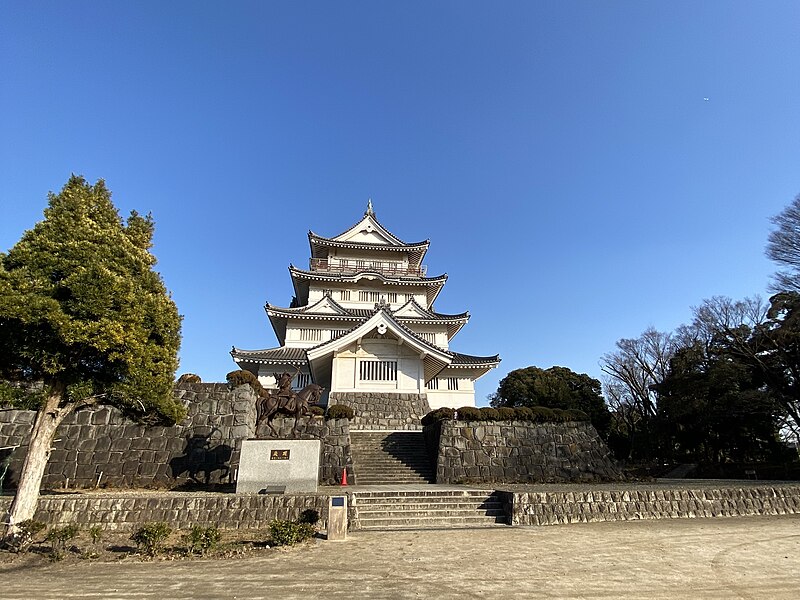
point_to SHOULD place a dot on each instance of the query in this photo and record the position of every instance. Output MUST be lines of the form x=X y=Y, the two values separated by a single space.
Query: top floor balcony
x=352 y=266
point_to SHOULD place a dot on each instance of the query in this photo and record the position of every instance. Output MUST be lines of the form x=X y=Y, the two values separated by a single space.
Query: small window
x=433 y=384
x=335 y=333
x=391 y=297
x=428 y=336
x=378 y=370
x=310 y=335
x=364 y=296
x=327 y=293
x=301 y=381
x=452 y=383
x=344 y=295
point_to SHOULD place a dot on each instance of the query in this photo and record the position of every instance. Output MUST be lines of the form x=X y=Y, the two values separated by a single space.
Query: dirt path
x=757 y=557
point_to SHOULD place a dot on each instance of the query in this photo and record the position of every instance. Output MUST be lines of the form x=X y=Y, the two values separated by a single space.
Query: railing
x=356 y=266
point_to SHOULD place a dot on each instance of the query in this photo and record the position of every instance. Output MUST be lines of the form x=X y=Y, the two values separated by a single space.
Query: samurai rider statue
x=285 y=394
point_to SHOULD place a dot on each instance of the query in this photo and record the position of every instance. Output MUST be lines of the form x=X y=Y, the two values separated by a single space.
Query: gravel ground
x=753 y=557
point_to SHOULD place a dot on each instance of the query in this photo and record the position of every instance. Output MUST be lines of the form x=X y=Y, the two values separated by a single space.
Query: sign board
x=269 y=464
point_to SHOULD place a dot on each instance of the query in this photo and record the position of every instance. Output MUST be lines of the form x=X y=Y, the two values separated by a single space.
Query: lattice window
x=452 y=383
x=365 y=296
x=408 y=297
x=327 y=293
x=310 y=335
x=391 y=297
x=337 y=332
x=344 y=295
x=428 y=336
x=433 y=384
x=377 y=370
x=301 y=381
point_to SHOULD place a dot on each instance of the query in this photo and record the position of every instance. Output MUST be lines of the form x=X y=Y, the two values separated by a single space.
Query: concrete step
x=431 y=522
x=420 y=509
x=428 y=505
x=390 y=457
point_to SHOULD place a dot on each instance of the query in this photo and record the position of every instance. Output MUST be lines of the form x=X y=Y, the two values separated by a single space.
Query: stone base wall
x=383 y=410
x=100 y=445
x=518 y=451
x=589 y=506
x=179 y=509
x=335 y=437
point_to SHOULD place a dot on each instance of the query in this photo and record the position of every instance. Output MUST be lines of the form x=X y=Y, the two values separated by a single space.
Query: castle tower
x=362 y=324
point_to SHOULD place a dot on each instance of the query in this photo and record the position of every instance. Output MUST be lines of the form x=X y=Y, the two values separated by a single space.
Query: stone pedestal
x=337 y=518
x=288 y=466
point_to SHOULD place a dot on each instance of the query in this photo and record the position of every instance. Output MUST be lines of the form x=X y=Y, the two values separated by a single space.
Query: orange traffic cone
x=344 y=476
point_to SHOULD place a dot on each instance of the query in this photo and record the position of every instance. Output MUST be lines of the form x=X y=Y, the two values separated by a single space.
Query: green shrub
x=287 y=533
x=574 y=414
x=542 y=414
x=310 y=516
x=95 y=534
x=241 y=377
x=200 y=540
x=27 y=530
x=316 y=411
x=440 y=414
x=523 y=413
x=339 y=411
x=489 y=414
x=151 y=537
x=469 y=413
x=189 y=378
x=505 y=413
x=58 y=538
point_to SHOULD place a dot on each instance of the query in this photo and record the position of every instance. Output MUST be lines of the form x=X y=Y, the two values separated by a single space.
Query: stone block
x=261 y=465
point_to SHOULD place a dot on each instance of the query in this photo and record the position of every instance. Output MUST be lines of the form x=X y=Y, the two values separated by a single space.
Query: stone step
x=431 y=513
x=421 y=509
x=380 y=467
x=433 y=495
x=432 y=507
x=390 y=458
x=432 y=522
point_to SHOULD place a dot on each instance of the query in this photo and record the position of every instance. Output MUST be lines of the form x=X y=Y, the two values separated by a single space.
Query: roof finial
x=369 y=212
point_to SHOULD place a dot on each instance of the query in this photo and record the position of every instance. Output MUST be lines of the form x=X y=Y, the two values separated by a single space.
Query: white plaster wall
x=346 y=369
x=441 y=399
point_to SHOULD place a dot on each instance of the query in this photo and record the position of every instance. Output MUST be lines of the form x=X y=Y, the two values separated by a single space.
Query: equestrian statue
x=286 y=401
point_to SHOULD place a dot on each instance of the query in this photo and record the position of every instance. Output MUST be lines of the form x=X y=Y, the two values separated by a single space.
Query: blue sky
x=562 y=157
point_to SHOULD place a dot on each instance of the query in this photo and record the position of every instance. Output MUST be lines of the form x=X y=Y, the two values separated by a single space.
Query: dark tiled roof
x=336 y=276
x=467 y=359
x=271 y=355
x=360 y=313
x=318 y=239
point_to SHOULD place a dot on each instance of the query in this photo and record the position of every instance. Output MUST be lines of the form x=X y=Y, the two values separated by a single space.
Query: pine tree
x=84 y=316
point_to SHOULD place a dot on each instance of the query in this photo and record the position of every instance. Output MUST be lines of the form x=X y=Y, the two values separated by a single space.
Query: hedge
x=536 y=414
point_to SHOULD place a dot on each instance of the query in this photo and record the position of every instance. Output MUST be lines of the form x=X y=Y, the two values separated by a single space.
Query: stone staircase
x=390 y=457
x=419 y=509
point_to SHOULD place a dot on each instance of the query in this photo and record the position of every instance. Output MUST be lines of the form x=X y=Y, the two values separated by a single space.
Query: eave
x=301 y=279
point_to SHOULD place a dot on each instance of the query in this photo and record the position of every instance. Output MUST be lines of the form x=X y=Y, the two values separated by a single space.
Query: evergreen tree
x=84 y=318
x=556 y=387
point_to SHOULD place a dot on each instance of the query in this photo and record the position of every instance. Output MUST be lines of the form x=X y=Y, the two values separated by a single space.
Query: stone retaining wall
x=179 y=510
x=589 y=506
x=379 y=410
x=100 y=445
x=519 y=451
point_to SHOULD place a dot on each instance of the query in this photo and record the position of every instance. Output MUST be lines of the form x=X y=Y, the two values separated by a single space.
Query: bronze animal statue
x=268 y=406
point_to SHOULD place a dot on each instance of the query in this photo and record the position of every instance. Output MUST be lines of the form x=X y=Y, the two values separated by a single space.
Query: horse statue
x=268 y=407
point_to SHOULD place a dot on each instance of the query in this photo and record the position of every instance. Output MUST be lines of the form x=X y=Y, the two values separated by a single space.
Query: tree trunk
x=48 y=418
